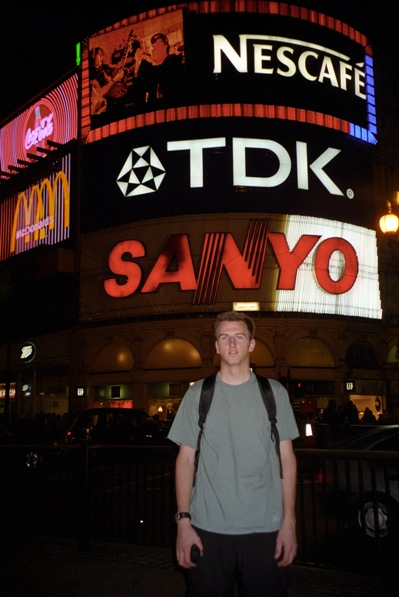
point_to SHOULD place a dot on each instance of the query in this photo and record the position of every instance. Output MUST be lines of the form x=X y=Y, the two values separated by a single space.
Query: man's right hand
x=186 y=538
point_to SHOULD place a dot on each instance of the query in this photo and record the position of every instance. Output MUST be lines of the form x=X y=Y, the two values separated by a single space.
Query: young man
x=236 y=508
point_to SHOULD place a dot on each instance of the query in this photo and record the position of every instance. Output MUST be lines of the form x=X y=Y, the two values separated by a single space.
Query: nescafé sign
x=219 y=58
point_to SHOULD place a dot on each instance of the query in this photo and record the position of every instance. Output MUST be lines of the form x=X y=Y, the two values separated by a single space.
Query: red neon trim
x=217 y=111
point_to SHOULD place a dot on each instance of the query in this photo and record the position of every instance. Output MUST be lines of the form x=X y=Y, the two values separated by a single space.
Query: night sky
x=37 y=39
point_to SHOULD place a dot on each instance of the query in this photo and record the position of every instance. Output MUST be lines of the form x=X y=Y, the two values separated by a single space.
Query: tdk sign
x=143 y=171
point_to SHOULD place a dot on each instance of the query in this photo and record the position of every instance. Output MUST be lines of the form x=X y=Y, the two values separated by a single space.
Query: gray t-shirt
x=238 y=486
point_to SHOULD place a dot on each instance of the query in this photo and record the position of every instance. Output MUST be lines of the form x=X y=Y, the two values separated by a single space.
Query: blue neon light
x=367 y=134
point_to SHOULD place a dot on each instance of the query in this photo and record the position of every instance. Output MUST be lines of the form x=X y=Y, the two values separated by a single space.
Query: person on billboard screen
x=104 y=79
x=159 y=73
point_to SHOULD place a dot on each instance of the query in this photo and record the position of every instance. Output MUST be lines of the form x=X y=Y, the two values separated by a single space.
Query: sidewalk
x=52 y=567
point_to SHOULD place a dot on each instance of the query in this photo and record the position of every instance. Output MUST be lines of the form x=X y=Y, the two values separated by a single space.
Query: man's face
x=233 y=342
x=159 y=51
x=98 y=59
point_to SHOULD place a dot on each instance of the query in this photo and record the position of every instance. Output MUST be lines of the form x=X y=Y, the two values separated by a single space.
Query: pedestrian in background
x=331 y=418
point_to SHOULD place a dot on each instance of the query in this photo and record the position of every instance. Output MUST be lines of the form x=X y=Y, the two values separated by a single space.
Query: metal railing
x=347 y=502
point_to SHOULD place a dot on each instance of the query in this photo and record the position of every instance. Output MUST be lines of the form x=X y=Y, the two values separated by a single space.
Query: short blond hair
x=235 y=316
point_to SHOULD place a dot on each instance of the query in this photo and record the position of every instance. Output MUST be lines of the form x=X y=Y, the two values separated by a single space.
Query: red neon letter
x=289 y=262
x=244 y=270
x=174 y=264
x=322 y=259
x=120 y=263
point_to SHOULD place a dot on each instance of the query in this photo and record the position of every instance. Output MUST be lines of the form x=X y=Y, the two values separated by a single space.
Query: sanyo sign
x=285 y=57
x=289 y=263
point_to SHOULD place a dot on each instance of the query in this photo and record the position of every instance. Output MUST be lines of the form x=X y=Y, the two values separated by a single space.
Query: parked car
x=363 y=486
x=27 y=442
x=116 y=426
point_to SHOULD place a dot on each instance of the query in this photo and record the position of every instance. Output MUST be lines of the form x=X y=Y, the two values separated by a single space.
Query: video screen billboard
x=155 y=67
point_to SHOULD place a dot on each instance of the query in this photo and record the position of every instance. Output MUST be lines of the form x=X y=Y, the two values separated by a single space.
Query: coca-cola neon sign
x=43 y=130
x=40 y=126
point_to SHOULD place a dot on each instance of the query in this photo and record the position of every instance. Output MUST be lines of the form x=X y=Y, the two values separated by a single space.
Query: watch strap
x=180 y=515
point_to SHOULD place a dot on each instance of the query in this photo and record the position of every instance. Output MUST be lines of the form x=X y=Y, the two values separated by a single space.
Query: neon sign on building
x=42 y=129
x=12 y=391
x=276 y=117
x=54 y=117
x=39 y=215
x=285 y=263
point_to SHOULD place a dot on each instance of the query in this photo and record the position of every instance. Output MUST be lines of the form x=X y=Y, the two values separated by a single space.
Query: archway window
x=309 y=352
x=173 y=353
x=114 y=357
x=393 y=356
x=361 y=356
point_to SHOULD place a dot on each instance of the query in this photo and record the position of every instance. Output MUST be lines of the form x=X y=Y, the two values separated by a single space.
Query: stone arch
x=113 y=357
x=309 y=352
x=173 y=353
x=360 y=355
x=393 y=354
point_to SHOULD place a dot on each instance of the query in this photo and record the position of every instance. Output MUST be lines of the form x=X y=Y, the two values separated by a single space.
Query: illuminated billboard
x=39 y=215
x=271 y=112
x=53 y=117
x=285 y=263
x=279 y=62
x=223 y=165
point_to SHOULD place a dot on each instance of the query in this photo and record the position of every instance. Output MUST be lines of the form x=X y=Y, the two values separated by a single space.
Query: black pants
x=242 y=565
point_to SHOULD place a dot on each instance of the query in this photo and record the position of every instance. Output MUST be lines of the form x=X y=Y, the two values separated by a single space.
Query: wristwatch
x=180 y=515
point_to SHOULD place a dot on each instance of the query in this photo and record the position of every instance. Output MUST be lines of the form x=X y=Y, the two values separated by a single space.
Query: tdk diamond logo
x=142 y=172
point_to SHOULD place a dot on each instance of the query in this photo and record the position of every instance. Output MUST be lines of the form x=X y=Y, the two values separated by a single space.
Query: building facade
x=204 y=157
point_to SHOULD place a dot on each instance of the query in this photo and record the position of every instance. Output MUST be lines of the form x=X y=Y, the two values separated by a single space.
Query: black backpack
x=208 y=386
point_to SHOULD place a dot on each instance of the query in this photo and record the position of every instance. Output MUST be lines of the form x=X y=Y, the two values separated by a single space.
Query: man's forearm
x=289 y=484
x=184 y=478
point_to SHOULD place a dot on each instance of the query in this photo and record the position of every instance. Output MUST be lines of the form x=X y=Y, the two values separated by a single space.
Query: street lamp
x=389 y=223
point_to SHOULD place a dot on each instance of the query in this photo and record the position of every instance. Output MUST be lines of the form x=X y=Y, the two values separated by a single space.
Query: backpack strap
x=270 y=404
x=207 y=389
